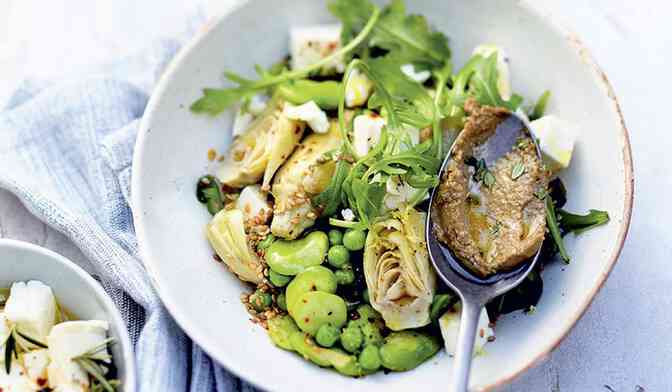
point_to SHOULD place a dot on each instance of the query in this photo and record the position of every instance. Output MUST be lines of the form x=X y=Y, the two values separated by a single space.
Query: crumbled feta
x=348 y=215
x=68 y=340
x=366 y=132
x=420 y=77
x=310 y=113
x=556 y=140
x=257 y=104
x=397 y=192
x=310 y=44
x=36 y=363
x=241 y=121
x=504 y=78
x=358 y=90
x=449 y=324
x=16 y=380
x=252 y=202
x=31 y=307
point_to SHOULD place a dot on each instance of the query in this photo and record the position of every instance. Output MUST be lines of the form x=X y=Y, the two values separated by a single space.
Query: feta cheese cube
x=31 y=307
x=5 y=329
x=67 y=341
x=310 y=44
x=449 y=324
x=420 y=77
x=358 y=90
x=556 y=140
x=504 y=75
x=252 y=202
x=366 y=132
x=310 y=113
x=16 y=380
x=35 y=363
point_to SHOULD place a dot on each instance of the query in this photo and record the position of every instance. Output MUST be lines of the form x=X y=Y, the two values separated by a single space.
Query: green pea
x=369 y=358
x=354 y=239
x=281 y=300
x=325 y=94
x=344 y=276
x=351 y=339
x=335 y=237
x=338 y=256
x=316 y=278
x=266 y=242
x=327 y=335
x=261 y=301
x=278 y=280
x=293 y=257
x=365 y=296
x=316 y=308
x=406 y=350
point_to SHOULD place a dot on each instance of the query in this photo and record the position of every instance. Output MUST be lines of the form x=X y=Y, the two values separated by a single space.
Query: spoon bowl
x=476 y=291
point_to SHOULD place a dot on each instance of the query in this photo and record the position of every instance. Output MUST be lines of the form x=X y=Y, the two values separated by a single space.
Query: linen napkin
x=65 y=151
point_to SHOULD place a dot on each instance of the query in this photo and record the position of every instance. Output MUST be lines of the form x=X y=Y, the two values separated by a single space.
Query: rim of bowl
x=124 y=340
x=600 y=79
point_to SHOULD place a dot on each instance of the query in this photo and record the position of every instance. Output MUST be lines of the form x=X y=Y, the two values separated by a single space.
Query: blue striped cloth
x=65 y=150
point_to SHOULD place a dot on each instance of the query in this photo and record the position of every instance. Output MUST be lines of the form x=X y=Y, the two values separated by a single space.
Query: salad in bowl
x=320 y=201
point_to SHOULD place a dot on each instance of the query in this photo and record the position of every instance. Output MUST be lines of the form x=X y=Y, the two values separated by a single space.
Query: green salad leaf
x=408 y=37
x=331 y=197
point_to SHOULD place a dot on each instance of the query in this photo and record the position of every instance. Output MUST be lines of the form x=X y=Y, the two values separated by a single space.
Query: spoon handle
x=465 y=345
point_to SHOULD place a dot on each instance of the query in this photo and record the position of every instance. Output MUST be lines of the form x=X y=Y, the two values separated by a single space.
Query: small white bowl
x=204 y=297
x=76 y=290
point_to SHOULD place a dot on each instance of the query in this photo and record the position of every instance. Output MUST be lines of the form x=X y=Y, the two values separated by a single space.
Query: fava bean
x=316 y=278
x=406 y=350
x=280 y=329
x=294 y=256
x=315 y=309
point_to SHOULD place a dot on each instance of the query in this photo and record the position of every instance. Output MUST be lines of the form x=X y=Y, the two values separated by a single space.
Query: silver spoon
x=475 y=292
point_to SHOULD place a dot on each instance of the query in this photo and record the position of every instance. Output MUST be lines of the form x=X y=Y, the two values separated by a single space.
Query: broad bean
x=294 y=256
x=280 y=329
x=316 y=278
x=316 y=308
x=325 y=94
x=406 y=350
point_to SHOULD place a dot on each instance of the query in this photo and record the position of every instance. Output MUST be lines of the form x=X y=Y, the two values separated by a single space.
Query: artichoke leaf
x=261 y=149
x=226 y=234
x=398 y=273
x=305 y=175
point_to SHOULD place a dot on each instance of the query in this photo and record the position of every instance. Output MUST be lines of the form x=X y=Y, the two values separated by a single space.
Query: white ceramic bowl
x=204 y=297
x=76 y=290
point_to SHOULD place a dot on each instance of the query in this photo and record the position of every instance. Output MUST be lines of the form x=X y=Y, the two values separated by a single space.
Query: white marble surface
x=623 y=340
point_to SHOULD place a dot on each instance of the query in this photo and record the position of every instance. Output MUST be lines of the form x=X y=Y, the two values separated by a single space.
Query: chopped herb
x=489 y=179
x=494 y=229
x=522 y=143
x=481 y=173
x=541 y=193
x=518 y=170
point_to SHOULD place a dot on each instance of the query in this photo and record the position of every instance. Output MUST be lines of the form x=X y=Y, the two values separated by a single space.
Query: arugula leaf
x=483 y=83
x=369 y=198
x=407 y=37
x=540 y=107
x=578 y=224
x=409 y=99
x=330 y=198
x=215 y=101
x=554 y=228
x=441 y=77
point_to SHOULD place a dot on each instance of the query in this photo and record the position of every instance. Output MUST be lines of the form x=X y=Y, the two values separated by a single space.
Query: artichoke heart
x=303 y=176
x=398 y=274
x=261 y=149
x=226 y=233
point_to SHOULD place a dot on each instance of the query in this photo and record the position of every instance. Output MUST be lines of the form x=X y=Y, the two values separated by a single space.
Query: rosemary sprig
x=10 y=349
x=18 y=342
x=94 y=362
